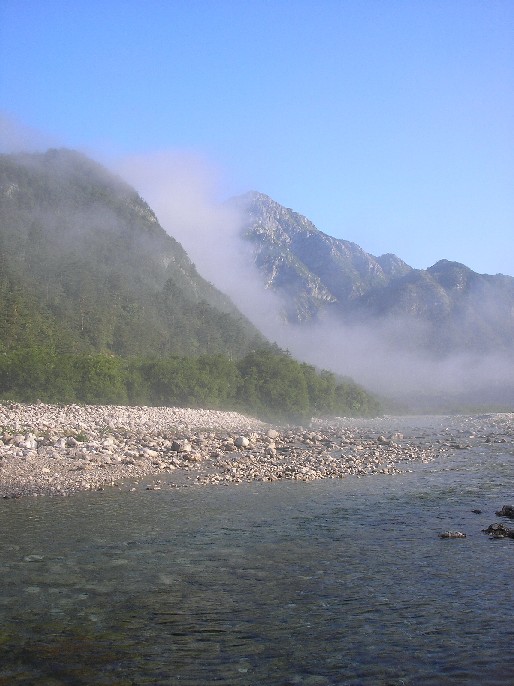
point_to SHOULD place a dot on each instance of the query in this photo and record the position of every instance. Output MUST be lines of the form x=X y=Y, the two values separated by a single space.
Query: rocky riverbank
x=58 y=450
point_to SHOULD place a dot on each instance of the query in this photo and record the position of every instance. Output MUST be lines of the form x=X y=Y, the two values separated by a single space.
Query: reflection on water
x=334 y=582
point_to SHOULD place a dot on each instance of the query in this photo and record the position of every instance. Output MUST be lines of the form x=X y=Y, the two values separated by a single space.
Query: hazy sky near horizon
x=389 y=123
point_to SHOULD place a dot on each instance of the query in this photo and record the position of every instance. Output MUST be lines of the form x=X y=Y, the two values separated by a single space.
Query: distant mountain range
x=85 y=266
x=445 y=309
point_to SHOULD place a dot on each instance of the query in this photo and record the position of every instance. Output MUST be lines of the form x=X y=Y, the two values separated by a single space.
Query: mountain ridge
x=319 y=276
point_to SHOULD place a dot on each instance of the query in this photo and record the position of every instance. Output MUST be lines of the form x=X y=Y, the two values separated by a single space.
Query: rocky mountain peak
x=315 y=269
x=316 y=275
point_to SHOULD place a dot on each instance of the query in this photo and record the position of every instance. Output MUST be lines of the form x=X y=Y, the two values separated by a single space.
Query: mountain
x=445 y=309
x=314 y=271
x=85 y=266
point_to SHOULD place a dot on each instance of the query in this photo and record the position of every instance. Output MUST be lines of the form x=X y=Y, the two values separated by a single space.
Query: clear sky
x=388 y=123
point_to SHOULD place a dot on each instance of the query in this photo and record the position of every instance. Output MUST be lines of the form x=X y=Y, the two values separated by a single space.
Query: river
x=335 y=582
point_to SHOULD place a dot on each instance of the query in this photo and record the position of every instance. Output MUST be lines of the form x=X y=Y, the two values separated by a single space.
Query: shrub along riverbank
x=266 y=383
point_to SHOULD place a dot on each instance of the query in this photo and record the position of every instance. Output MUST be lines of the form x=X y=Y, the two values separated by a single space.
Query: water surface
x=328 y=582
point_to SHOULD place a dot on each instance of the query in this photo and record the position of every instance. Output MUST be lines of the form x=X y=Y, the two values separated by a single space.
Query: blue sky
x=388 y=123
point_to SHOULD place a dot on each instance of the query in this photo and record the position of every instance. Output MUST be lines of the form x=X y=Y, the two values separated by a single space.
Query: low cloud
x=183 y=189
x=16 y=137
x=369 y=354
x=385 y=356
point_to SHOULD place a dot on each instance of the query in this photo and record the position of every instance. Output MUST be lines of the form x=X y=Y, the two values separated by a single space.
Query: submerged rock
x=452 y=534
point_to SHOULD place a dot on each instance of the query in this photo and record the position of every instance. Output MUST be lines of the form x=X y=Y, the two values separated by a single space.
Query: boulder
x=506 y=511
x=499 y=531
x=148 y=452
x=181 y=446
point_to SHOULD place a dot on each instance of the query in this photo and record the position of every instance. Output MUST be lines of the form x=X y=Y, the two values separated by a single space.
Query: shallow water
x=329 y=582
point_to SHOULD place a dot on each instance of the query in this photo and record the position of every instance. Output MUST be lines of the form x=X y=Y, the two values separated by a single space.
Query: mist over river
x=329 y=582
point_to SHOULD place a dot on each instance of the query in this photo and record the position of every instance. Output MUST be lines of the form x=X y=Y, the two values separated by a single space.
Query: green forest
x=266 y=383
x=86 y=267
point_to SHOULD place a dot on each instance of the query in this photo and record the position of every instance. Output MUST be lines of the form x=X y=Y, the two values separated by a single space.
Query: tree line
x=267 y=383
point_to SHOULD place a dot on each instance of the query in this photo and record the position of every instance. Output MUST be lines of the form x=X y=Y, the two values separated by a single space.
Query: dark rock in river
x=499 y=531
x=506 y=511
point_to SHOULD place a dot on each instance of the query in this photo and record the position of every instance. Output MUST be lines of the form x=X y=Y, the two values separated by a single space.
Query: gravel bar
x=63 y=449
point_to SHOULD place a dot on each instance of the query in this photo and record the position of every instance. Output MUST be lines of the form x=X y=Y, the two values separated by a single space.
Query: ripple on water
x=328 y=583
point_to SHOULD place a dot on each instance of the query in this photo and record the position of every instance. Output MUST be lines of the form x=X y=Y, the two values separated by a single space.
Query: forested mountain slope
x=85 y=266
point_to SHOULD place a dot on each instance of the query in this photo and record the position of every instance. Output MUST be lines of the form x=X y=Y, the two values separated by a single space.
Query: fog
x=368 y=354
x=16 y=137
x=386 y=357
x=184 y=192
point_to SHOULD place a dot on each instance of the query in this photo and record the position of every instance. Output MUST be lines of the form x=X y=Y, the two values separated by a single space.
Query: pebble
x=75 y=448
